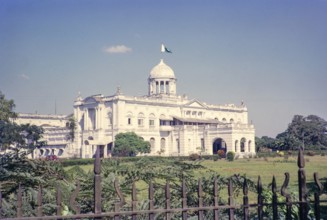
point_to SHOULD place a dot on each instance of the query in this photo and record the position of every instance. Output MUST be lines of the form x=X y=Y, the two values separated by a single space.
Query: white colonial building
x=56 y=134
x=173 y=124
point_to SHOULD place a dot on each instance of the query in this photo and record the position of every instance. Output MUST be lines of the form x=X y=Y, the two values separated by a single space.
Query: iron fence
x=303 y=204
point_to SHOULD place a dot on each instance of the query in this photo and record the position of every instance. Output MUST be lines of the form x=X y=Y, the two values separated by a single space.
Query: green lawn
x=252 y=168
x=265 y=167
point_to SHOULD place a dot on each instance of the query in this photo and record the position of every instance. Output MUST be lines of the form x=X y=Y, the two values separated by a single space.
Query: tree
x=310 y=131
x=6 y=108
x=71 y=125
x=130 y=144
x=264 y=142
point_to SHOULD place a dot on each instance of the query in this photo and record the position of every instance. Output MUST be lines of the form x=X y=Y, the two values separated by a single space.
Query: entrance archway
x=243 y=142
x=219 y=144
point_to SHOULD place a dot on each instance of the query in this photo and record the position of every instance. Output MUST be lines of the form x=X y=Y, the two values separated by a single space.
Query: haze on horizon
x=270 y=54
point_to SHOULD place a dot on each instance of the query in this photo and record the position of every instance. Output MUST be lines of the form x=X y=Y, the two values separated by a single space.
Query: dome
x=162 y=70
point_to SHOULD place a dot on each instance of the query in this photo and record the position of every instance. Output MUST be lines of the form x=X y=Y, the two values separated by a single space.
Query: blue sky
x=270 y=53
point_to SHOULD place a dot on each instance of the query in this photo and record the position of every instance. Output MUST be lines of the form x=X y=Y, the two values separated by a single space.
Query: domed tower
x=162 y=80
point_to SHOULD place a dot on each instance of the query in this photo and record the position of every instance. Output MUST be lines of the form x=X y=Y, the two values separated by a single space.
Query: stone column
x=85 y=119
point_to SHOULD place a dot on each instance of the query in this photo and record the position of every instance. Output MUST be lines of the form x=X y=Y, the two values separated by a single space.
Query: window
x=151 y=123
x=178 y=146
x=140 y=119
x=129 y=121
x=243 y=141
x=140 y=122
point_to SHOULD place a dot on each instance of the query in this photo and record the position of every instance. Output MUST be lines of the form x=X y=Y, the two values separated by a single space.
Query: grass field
x=252 y=168
x=265 y=167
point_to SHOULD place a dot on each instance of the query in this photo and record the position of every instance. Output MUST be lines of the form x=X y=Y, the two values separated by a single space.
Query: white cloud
x=24 y=76
x=118 y=49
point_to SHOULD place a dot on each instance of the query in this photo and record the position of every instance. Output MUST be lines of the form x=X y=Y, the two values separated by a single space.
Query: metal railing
x=152 y=212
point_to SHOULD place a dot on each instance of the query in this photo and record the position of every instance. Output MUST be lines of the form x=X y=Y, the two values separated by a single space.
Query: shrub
x=289 y=153
x=221 y=153
x=215 y=157
x=194 y=157
x=310 y=153
x=230 y=156
x=280 y=153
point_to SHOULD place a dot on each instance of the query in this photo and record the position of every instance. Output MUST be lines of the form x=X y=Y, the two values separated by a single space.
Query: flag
x=164 y=49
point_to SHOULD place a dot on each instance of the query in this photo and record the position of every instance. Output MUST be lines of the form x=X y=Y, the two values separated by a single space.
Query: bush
x=221 y=153
x=230 y=156
x=76 y=162
x=215 y=157
x=194 y=157
x=310 y=153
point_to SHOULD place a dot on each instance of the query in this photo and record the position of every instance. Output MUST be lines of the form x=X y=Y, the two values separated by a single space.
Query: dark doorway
x=109 y=149
x=219 y=144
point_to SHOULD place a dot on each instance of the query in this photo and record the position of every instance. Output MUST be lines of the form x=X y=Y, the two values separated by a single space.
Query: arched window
x=236 y=146
x=243 y=141
x=129 y=118
x=231 y=120
x=140 y=119
x=60 y=152
x=152 y=120
x=224 y=120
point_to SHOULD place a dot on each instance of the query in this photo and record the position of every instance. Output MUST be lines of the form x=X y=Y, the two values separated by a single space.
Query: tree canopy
x=130 y=144
x=6 y=108
x=18 y=137
x=310 y=132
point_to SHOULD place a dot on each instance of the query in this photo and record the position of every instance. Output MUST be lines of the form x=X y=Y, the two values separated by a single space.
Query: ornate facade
x=173 y=124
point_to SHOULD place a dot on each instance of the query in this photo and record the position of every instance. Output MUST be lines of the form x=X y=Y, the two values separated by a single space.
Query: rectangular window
x=129 y=121
x=178 y=146
x=151 y=123
x=140 y=122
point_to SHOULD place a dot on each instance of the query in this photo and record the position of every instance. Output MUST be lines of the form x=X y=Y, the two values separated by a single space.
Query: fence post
x=134 y=201
x=151 y=202
x=184 y=200
x=168 y=197
x=97 y=182
x=0 y=202
x=58 y=200
x=39 y=202
x=274 y=198
x=200 y=199
x=303 y=209
x=121 y=202
x=215 y=193
x=287 y=196
x=260 y=199
x=72 y=201
x=317 y=195
x=245 y=200
x=19 y=202
x=230 y=199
